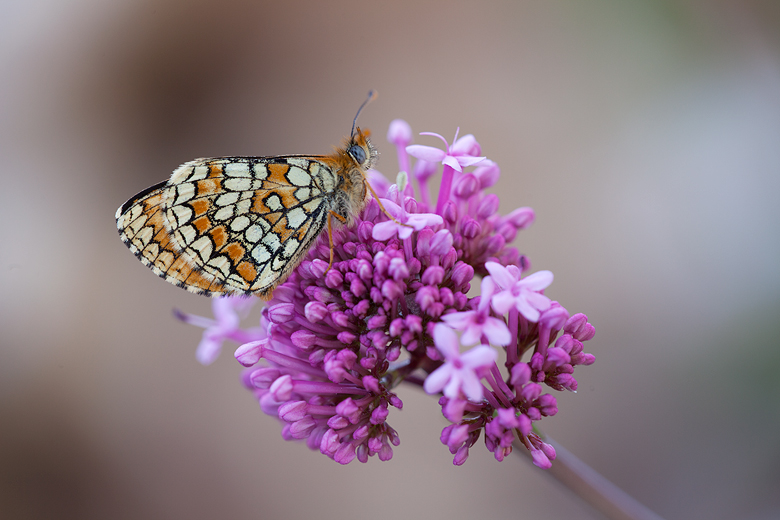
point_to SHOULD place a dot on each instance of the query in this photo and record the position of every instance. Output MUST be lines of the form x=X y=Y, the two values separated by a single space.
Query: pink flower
x=228 y=313
x=477 y=323
x=459 y=373
x=511 y=291
x=413 y=222
x=461 y=154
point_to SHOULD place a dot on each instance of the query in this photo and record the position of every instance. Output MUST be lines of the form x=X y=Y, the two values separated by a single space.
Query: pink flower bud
x=424 y=169
x=461 y=274
x=487 y=173
x=263 y=377
x=450 y=212
x=334 y=279
x=315 y=311
x=466 y=186
x=521 y=218
x=520 y=375
x=488 y=206
x=441 y=242
x=365 y=230
x=303 y=338
x=471 y=229
x=399 y=133
x=433 y=275
x=250 y=353
x=280 y=313
x=292 y=411
x=282 y=388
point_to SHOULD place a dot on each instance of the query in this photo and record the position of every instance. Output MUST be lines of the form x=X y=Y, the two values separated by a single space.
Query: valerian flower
x=228 y=313
x=395 y=306
x=463 y=152
x=461 y=373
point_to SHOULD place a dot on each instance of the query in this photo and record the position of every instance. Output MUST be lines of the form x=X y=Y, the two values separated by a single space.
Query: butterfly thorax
x=350 y=165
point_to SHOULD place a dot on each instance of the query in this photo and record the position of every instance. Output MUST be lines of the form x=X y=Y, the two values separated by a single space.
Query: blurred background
x=646 y=135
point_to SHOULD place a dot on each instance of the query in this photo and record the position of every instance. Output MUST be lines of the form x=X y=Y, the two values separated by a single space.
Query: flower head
x=395 y=306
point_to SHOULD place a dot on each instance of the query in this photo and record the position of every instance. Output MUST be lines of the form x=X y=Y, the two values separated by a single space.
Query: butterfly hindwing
x=241 y=223
x=142 y=228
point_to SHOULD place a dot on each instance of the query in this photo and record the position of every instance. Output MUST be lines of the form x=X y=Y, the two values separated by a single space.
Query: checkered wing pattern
x=233 y=225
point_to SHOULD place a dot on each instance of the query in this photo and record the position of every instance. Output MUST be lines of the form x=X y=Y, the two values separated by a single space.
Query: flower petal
x=489 y=288
x=446 y=340
x=384 y=230
x=537 y=281
x=452 y=162
x=500 y=274
x=539 y=301
x=502 y=302
x=481 y=356
x=420 y=220
x=471 y=335
x=426 y=153
x=392 y=208
x=527 y=310
x=471 y=386
x=404 y=232
x=437 y=379
x=452 y=388
x=458 y=320
x=466 y=145
x=208 y=349
x=496 y=331
x=467 y=160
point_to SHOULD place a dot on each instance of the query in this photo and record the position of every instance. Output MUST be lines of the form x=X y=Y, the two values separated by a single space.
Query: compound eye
x=357 y=153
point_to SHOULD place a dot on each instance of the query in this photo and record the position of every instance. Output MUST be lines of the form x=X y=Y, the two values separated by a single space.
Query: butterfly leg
x=330 y=235
x=381 y=207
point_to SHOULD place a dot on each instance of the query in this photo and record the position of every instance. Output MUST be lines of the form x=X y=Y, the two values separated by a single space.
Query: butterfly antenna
x=371 y=96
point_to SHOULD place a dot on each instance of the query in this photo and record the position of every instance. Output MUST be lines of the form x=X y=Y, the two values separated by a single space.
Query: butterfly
x=240 y=225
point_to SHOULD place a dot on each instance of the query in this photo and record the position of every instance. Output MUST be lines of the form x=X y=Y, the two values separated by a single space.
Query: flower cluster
x=334 y=343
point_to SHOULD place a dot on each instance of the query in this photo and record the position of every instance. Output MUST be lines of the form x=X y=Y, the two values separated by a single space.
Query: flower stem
x=590 y=486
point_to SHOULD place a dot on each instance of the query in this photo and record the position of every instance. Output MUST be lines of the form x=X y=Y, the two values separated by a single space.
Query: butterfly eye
x=358 y=153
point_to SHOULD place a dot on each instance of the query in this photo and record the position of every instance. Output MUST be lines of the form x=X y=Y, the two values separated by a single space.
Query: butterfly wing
x=242 y=223
x=142 y=228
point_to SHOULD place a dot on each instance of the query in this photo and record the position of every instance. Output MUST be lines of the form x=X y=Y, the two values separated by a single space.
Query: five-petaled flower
x=463 y=153
x=509 y=290
x=460 y=373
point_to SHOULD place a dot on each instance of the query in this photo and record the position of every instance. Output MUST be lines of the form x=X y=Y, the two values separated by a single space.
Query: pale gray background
x=645 y=134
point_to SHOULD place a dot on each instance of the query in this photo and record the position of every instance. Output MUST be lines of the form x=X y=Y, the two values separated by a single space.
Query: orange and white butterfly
x=240 y=225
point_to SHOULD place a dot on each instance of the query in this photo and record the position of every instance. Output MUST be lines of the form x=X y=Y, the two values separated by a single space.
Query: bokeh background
x=646 y=135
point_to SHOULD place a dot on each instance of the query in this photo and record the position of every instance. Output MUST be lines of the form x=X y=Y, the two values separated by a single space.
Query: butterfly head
x=360 y=149
x=358 y=146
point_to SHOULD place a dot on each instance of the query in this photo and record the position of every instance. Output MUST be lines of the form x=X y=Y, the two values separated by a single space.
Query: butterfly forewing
x=241 y=224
